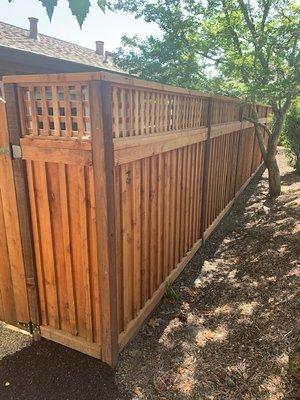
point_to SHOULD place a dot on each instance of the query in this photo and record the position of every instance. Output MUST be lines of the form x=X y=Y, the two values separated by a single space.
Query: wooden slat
x=126 y=193
x=153 y=224
x=84 y=252
x=136 y=229
x=79 y=110
x=67 y=107
x=178 y=204
x=160 y=219
x=45 y=229
x=67 y=249
x=146 y=223
x=166 y=214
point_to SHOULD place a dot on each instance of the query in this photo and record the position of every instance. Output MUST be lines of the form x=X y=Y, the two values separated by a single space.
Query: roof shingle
x=17 y=38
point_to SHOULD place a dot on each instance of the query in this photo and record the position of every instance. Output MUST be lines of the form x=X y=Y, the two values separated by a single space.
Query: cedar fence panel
x=125 y=180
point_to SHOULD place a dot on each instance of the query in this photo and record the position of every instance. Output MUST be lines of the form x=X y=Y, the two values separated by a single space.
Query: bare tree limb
x=263 y=126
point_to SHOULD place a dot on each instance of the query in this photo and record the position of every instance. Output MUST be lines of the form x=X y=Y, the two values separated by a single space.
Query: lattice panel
x=141 y=112
x=56 y=111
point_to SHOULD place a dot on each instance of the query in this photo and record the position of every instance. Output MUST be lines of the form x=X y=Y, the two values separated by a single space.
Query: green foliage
x=79 y=8
x=49 y=5
x=170 y=292
x=234 y=47
x=291 y=135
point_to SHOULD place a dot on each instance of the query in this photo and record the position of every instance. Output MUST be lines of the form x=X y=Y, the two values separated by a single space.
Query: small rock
x=230 y=382
x=7 y=384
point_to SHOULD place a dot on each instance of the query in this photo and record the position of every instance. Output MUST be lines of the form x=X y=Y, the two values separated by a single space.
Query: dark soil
x=226 y=337
x=48 y=371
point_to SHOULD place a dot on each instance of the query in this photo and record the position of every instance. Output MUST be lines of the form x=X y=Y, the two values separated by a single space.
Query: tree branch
x=259 y=124
x=251 y=27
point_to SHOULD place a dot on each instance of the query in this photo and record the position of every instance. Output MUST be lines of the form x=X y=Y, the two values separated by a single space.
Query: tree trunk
x=297 y=165
x=274 y=178
x=270 y=160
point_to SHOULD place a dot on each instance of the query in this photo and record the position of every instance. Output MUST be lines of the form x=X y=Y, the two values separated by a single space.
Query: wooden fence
x=124 y=180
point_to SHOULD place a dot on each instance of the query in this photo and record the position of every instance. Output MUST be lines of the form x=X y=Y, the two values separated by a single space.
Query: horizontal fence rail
x=126 y=179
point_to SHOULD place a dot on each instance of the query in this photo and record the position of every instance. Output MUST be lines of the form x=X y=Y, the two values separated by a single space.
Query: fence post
x=206 y=168
x=103 y=166
x=21 y=188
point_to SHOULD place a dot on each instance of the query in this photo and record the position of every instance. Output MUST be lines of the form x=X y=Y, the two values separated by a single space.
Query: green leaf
x=80 y=9
x=102 y=5
x=49 y=5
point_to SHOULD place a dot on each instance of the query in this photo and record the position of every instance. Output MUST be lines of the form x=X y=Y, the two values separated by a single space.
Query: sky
x=108 y=27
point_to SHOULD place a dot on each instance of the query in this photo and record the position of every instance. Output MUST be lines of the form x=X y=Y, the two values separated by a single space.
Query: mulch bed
x=226 y=336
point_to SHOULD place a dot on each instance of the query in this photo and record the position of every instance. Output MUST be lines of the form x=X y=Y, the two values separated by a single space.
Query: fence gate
x=56 y=149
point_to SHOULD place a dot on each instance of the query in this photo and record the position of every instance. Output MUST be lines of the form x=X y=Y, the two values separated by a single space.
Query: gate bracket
x=30 y=327
x=6 y=150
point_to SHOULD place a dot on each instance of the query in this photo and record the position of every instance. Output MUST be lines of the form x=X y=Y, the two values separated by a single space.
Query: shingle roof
x=17 y=38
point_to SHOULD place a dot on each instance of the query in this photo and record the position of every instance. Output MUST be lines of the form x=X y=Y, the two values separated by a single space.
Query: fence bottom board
x=226 y=210
x=135 y=324
x=73 y=342
x=133 y=327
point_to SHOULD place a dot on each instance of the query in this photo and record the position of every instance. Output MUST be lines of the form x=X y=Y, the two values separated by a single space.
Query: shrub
x=291 y=136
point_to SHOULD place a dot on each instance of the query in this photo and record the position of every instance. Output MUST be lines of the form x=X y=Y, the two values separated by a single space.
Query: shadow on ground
x=229 y=334
x=47 y=371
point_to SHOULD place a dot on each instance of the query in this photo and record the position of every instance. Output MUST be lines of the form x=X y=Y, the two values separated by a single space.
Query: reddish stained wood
x=165 y=196
x=103 y=164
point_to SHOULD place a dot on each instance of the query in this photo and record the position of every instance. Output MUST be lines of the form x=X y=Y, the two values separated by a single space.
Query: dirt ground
x=226 y=336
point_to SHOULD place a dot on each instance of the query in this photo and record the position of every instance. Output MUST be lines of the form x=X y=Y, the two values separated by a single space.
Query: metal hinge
x=30 y=327
x=16 y=151
x=13 y=151
x=6 y=150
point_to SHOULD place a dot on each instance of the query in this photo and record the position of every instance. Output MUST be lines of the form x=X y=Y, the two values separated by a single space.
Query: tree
x=291 y=135
x=79 y=8
x=251 y=49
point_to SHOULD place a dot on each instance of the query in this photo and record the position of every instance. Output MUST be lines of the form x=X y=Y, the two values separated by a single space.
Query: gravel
x=12 y=340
